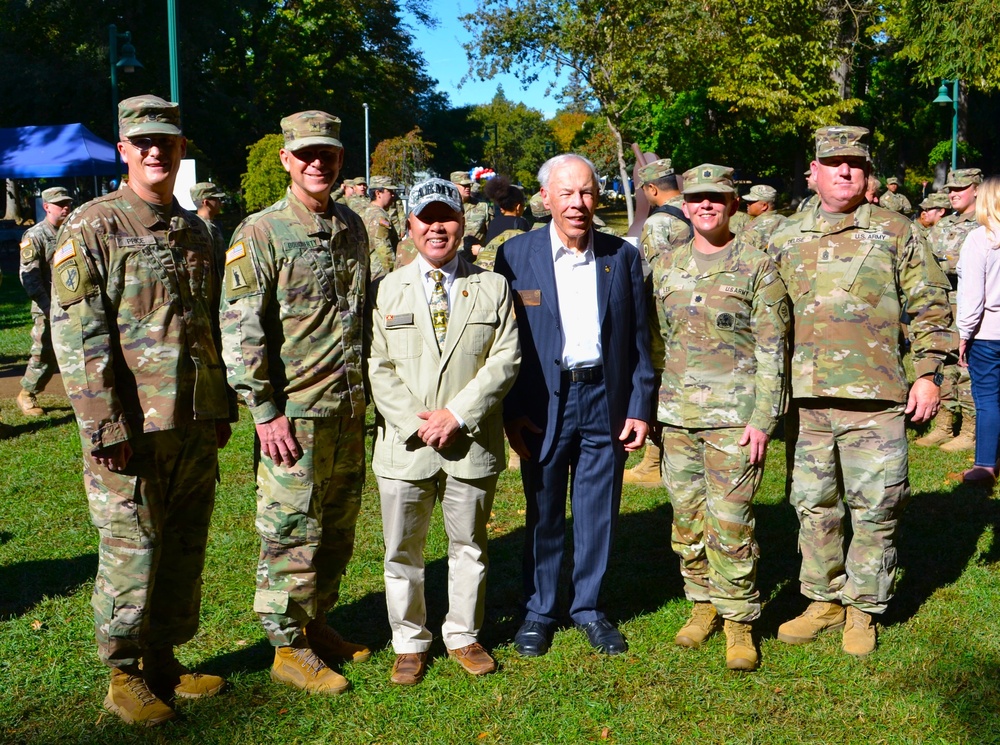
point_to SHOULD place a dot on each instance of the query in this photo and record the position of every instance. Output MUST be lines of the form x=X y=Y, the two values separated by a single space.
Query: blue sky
x=447 y=63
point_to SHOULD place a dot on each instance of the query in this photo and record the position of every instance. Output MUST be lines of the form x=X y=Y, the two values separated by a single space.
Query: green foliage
x=941 y=153
x=400 y=157
x=265 y=180
x=517 y=138
x=596 y=141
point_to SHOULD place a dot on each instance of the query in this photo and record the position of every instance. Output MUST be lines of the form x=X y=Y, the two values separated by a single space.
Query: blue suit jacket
x=526 y=262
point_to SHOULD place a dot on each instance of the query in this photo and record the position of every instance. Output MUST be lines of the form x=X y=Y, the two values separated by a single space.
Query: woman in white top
x=979 y=327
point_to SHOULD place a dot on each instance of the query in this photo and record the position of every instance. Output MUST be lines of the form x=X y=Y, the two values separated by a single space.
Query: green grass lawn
x=935 y=677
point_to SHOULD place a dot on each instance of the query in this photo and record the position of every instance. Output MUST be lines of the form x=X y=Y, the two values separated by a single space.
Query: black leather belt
x=584 y=374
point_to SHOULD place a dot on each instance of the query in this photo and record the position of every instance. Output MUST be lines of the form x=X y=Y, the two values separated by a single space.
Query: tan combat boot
x=704 y=622
x=300 y=667
x=941 y=432
x=167 y=677
x=331 y=646
x=741 y=654
x=817 y=617
x=859 y=633
x=29 y=404
x=966 y=439
x=130 y=698
x=647 y=472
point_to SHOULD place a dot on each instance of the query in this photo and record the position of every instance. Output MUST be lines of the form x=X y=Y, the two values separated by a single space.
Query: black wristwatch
x=937 y=379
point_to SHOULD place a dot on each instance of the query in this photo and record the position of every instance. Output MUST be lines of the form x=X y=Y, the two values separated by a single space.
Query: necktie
x=439 y=307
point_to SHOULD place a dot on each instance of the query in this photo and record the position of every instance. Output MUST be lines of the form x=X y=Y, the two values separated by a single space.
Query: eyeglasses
x=145 y=144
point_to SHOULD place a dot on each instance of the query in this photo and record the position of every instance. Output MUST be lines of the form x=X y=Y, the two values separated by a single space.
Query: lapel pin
x=465 y=293
x=607 y=268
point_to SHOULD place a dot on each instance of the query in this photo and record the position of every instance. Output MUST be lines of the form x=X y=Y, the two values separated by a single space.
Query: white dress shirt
x=576 y=290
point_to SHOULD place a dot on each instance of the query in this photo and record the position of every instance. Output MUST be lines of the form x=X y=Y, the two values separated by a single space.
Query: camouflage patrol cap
x=708 y=178
x=538 y=206
x=761 y=193
x=835 y=141
x=381 y=182
x=461 y=178
x=656 y=170
x=936 y=201
x=308 y=128
x=206 y=190
x=892 y=180
x=963 y=177
x=148 y=115
x=434 y=190
x=56 y=195
x=359 y=181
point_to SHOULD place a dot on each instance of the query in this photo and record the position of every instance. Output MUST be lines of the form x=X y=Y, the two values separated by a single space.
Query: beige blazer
x=471 y=375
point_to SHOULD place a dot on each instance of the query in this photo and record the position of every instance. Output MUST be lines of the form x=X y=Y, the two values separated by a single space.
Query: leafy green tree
x=265 y=180
x=400 y=158
x=517 y=138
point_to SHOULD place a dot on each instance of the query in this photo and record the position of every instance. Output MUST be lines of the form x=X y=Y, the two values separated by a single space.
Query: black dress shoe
x=604 y=637
x=532 y=639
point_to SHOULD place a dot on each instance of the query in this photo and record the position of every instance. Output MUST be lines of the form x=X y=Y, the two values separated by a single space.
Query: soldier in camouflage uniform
x=539 y=213
x=851 y=268
x=382 y=236
x=406 y=252
x=358 y=200
x=739 y=221
x=719 y=320
x=945 y=240
x=932 y=209
x=293 y=297
x=207 y=198
x=666 y=228
x=477 y=216
x=37 y=246
x=892 y=199
x=764 y=220
x=135 y=330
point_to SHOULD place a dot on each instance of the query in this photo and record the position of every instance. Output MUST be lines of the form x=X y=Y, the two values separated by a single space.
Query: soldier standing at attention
x=37 y=246
x=382 y=236
x=135 y=330
x=892 y=199
x=666 y=228
x=945 y=240
x=207 y=198
x=477 y=215
x=719 y=320
x=294 y=295
x=850 y=269
x=764 y=220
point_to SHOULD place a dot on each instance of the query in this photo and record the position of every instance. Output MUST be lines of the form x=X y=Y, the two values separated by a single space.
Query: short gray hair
x=545 y=172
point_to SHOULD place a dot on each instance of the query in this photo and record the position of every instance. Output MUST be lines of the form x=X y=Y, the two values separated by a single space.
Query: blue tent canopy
x=54 y=151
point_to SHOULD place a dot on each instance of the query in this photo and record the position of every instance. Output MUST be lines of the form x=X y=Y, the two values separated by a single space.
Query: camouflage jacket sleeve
x=382 y=238
x=34 y=269
x=924 y=292
x=476 y=218
x=82 y=335
x=770 y=320
x=246 y=291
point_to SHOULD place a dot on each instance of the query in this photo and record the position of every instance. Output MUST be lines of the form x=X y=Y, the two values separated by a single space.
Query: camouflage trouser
x=42 y=362
x=153 y=521
x=711 y=485
x=956 y=389
x=861 y=444
x=305 y=517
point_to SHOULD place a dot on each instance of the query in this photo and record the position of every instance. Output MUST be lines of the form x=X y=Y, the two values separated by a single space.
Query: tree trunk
x=623 y=170
x=13 y=211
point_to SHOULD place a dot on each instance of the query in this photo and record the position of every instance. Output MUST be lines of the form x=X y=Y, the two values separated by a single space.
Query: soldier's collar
x=327 y=224
x=145 y=212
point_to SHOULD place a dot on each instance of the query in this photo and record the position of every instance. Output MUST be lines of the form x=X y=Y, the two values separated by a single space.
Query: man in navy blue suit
x=582 y=401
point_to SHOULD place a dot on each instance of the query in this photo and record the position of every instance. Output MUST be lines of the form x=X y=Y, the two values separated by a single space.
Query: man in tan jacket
x=444 y=353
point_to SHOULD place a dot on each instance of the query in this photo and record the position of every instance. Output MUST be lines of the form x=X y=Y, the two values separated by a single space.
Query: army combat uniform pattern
x=849 y=282
x=663 y=231
x=37 y=247
x=719 y=344
x=135 y=330
x=382 y=240
x=294 y=295
x=895 y=202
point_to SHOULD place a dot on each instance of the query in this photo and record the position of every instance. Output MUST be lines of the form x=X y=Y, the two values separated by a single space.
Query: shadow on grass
x=27 y=583
x=52 y=419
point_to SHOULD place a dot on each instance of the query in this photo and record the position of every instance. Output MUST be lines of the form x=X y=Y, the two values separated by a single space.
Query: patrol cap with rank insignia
x=537 y=205
x=832 y=142
x=892 y=180
x=140 y=116
x=761 y=193
x=461 y=178
x=57 y=195
x=708 y=177
x=963 y=178
x=310 y=128
x=656 y=170
x=434 y=190
x=936 y=201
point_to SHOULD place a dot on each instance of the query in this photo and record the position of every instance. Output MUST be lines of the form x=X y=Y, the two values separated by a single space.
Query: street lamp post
x=367 y=156
x=175 y=75
x=127 y=63
x=943 y=97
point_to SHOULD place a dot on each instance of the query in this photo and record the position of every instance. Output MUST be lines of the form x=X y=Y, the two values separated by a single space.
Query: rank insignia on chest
x=726 y=321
